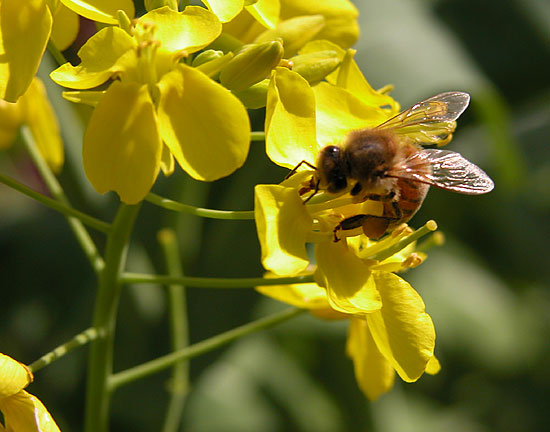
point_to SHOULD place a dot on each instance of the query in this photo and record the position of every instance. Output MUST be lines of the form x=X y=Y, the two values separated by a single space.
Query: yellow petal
x=225 y=10
x=352 y=79
x=101 y=57
x=295 y=32
x=104 y=11
x=24 y=32
x=433 y=366
x=374 y=374
x=11 y=119
x=244 y=27
x=90 y=98
x=122 y=146
x=283 y=223
x=290 y=120
x=65 y=27
x=403 y=331
x=340 y=18
x=24 y=412
x=349 y=282
x=340 y=111
x=266 y=12
x=190 y=30
x=206 y=127
x=40 y=117
x=14 y=376
x=167 y=164
x=304 y=296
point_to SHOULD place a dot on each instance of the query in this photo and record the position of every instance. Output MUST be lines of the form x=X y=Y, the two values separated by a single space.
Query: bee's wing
x=431 y=121
x=444 y=169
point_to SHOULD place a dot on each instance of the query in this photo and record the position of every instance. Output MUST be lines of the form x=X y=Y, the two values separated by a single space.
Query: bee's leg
x=291 y=173
x=349 y=224
x=376 y=226
x=315 y=190
x=373 y=226
x=356 y=189
x=377 y=197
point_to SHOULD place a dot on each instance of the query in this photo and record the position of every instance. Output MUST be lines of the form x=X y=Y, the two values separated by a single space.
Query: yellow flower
x=397 y=335
x=26 y=26
x=22 y=411
x=34 y=110
x=157 y=108
x=300 y=120
x=332 y=20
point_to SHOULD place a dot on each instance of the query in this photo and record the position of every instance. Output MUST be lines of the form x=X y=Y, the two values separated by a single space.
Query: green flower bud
x=212 y=64
x=295 y=32
x=254 y=96
x=251 y=64
x=206 y=56
x=315 y=66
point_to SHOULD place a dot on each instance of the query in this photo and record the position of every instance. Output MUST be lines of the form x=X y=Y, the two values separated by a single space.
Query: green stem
x=82 y=236
x=79 y=340
x=56 y=205
x=429 y=227
x=204 y=282
x=197 y=211
x=179 y=386
x=104 y=319
x=197 y=349
x=257 y=136
x=56 y=54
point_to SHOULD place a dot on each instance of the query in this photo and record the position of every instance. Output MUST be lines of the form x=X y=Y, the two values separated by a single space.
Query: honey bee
x=387 y=164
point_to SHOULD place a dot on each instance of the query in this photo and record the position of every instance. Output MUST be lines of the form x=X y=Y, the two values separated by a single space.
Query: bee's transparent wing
x=444 y=169
x=431 y=121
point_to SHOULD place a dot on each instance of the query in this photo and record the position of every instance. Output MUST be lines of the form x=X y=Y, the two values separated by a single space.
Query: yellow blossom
x=157 y=108
x=22 y=411
x=26 y=27
x=34 y=110
x=332 y=20
x=393 y=334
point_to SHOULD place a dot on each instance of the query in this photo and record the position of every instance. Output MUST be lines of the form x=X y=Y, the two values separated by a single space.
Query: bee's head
x=331 y=170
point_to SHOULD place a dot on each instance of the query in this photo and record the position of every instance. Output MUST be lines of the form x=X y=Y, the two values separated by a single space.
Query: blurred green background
x=487 y=288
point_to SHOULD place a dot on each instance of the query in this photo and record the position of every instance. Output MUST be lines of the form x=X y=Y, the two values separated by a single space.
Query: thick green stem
x=204 y=282
x=177 y=303
x=197 y=349
x=104 y=319
x=82 y=236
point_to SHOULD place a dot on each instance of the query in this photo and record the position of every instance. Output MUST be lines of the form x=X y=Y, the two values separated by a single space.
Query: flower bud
x=315 y=66
x=206 y=56
x=294 y=32
x=251 y=64
x=254 y=96
x=211 y=62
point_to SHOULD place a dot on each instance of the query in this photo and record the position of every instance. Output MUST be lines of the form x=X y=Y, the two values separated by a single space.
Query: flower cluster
x=174 y=86
x=355 y=277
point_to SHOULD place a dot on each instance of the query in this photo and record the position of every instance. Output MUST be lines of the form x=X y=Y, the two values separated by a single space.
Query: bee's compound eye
x=331 y=169
x=332 y=150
